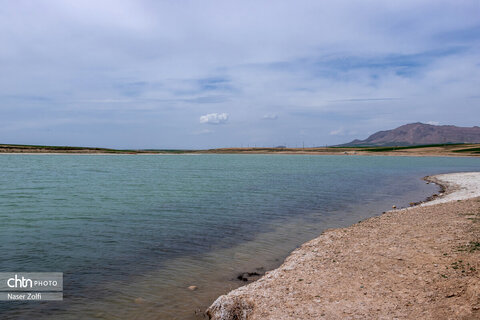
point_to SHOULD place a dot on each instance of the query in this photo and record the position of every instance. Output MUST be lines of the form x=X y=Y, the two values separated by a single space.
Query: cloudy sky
x=203 y=74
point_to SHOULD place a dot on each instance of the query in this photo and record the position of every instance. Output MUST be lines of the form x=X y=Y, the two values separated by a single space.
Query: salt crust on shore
x=415 y=263
x=460 y=186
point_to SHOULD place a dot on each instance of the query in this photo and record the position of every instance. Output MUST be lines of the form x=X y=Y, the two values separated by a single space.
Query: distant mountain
x=420 y=134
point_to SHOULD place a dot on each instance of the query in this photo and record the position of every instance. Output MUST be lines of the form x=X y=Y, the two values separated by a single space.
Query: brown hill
x=420 y=134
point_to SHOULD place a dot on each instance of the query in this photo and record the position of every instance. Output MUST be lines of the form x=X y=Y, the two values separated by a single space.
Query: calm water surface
x=131 y=233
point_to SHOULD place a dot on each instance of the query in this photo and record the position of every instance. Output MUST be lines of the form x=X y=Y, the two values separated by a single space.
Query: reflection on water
x=131 y=233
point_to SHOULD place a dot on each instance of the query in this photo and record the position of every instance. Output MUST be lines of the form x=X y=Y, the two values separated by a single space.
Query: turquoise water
x=132 y=232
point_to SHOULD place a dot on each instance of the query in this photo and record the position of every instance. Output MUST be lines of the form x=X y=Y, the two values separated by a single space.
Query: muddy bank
x=415 y=263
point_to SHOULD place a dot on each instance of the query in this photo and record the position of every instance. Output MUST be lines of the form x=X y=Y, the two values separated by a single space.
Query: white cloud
x=341 y=132
x=204 y=131
x=435 y=123
x=337 y=132
x=214 y=118
x=270 y=116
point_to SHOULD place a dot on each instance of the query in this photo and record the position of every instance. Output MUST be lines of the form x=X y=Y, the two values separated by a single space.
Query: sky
x=208 y=74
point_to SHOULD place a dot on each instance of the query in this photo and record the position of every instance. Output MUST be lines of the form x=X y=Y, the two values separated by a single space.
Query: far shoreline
x=391 y=154
x=448 y=150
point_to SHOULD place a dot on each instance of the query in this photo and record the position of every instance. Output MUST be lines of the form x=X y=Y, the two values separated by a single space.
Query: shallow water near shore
x=131 y=233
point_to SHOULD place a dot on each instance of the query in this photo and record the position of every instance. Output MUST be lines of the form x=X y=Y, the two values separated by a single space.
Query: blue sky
x=204 y=74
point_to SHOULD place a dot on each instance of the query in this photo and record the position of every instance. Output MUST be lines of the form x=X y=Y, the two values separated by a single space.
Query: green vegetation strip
x=382 y=149
x=61 y=148
x=472 y=150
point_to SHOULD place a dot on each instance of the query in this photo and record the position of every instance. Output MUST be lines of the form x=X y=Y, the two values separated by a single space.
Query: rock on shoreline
x=416 y=263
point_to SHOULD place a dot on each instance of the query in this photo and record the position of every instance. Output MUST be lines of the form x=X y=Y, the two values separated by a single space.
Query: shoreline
x=448 y=150
x=329 y=277
x=390 y=154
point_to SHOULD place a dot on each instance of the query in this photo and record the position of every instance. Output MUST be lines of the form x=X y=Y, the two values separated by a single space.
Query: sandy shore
x=415 y=263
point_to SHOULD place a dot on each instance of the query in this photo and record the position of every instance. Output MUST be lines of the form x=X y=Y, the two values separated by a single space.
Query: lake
x=132 y=232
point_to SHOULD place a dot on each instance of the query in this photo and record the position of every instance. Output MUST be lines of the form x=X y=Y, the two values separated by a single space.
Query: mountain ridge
x=419 y=134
